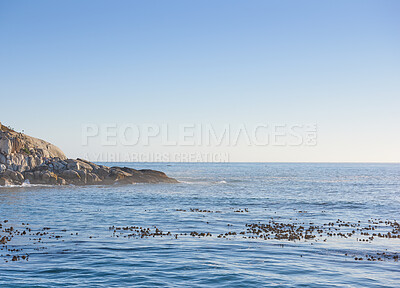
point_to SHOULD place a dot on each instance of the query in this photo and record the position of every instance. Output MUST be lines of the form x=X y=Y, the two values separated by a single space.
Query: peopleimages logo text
x=228 y=135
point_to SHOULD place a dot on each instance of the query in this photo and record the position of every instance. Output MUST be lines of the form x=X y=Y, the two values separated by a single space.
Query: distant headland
x=27 y=159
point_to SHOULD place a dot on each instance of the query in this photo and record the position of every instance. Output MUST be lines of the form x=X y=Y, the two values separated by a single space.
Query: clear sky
x=336 y=64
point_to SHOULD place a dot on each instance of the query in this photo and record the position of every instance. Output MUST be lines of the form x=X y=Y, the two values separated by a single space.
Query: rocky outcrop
x=20 y=152
x=27 y=159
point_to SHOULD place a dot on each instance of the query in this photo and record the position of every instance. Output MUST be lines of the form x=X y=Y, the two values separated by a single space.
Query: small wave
x=187 y=181
x=200 y=182
x=25 y=184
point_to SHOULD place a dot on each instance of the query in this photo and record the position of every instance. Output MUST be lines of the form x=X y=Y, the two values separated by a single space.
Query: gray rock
x=92 y=178
x=102 y=172
x=5 y=145
x=38 y=161
x=42 y=167
x=59 y=166
x=70 y=175
x=61 y=181
x=23 y=168
x=36 y=175
x=2 y=168
x=4 y=181
x=29 y=176
x=83 y=175
x=94 y=166
x=79 y=165
x=31 y=162
x=14 y=176
x=48 y=177
x=3 y=159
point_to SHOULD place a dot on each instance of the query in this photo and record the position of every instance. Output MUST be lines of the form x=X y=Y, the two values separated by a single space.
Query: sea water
x=83 y=242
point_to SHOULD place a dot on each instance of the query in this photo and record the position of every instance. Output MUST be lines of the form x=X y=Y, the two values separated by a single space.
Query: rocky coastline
x=25 y=159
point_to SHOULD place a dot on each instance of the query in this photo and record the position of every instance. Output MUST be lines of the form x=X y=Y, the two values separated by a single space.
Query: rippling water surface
x=80 y=249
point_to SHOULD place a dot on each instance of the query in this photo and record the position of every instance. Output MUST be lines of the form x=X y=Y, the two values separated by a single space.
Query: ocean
x=223 y=225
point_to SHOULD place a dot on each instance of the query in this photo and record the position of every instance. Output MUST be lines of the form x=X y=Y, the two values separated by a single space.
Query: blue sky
x=333 y=63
